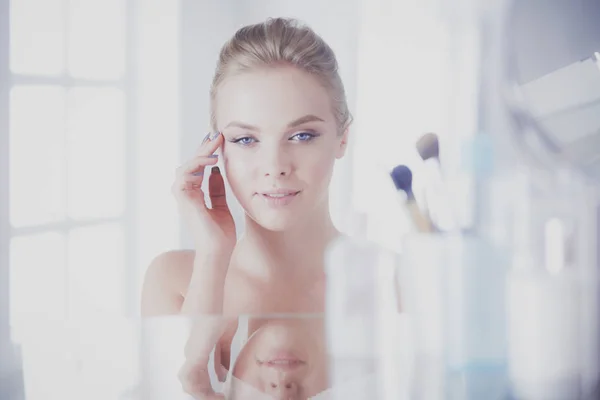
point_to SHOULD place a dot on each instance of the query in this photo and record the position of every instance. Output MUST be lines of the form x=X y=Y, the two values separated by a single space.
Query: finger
x=201 y=392
x=193 y=179
x=216 y=189
x=197 y=164
x=187 y=182
x=204 y=155
x=189 y=191
x=195 y=380
x=210 y=144
x=206 y=138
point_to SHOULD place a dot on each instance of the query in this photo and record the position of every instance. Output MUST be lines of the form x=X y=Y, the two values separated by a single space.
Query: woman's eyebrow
x=294 y=123
x=305 y=119
x=241 y=125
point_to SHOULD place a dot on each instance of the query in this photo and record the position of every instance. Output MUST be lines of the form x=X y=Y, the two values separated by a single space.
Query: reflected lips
x=284 y=362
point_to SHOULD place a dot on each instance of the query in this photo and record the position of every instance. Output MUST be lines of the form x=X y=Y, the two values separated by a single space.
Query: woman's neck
x=302 y=245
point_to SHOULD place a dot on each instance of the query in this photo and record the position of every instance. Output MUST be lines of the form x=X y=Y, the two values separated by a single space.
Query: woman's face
x=281 y=142
x=285 y=359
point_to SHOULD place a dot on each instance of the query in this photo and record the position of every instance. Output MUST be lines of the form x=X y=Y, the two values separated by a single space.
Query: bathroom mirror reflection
x=101 y=102
x=100 y=113
x=249 y=357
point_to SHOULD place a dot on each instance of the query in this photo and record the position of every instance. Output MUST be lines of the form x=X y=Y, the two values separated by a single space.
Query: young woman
x=280 y=121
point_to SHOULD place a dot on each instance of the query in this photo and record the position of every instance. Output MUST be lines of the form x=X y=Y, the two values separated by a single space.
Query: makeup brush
x=428 y=147
x=437 y=197
x=402 y=177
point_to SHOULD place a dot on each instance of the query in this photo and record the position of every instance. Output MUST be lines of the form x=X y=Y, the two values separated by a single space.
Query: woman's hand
x=213 y=229
x=195 y=381
x=204 y=337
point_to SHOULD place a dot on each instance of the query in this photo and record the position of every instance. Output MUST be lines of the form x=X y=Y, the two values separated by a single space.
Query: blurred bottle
x=360 y=307
x=543 y=293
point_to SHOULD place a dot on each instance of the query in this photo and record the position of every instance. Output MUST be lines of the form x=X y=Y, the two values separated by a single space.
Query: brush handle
x=439 y=202
x=421 y=222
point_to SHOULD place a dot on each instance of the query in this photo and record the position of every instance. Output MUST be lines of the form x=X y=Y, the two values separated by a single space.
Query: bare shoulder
x=166 y=281
x=174 y=268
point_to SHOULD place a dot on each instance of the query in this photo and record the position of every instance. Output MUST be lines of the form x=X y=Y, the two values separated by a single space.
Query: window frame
x=4 y=197
x=127 y=220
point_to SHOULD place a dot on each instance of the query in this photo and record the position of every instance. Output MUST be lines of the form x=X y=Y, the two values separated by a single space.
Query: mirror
x=554 y=68
x=100 y=102
x=96 y=116
x=257 y=357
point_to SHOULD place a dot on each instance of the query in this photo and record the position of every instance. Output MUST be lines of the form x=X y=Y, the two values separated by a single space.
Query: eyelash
x=311 y=136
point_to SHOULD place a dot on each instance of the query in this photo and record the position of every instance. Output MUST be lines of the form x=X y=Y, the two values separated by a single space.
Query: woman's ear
x=343 y=144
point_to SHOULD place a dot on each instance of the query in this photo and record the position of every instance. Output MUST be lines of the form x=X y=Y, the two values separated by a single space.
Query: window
x=93 y=103
x=71 y=213
x=67 y=135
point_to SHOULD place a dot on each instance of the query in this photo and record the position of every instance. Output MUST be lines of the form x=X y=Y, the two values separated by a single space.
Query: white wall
x=403 y=87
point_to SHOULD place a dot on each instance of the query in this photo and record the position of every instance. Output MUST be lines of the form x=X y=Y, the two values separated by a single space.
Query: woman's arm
x=204 y=304
x=205 y=292
x=204 y=275
x=182 y=282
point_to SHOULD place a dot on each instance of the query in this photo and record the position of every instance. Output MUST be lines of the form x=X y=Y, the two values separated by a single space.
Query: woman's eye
x=304 y=136
x=245 y=141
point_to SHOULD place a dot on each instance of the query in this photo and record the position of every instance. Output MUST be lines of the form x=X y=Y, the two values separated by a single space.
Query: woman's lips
x=284 y=361
x=280 y=197
x=284 y=365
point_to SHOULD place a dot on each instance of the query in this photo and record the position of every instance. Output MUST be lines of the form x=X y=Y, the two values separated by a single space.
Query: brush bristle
x=402 y=177
x=428 y=146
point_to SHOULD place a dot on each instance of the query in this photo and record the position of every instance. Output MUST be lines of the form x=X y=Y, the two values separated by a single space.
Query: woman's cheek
x=321 y=168
x=235 y=169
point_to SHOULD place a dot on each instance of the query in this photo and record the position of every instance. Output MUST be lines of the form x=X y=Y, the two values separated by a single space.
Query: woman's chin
x=276 y=221
x=276 y=225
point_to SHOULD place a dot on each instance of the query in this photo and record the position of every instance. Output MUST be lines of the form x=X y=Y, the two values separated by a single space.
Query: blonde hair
x=282 y=42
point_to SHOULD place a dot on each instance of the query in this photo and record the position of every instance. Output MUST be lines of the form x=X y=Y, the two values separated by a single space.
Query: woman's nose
x=282 y=389
x=276 y=163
